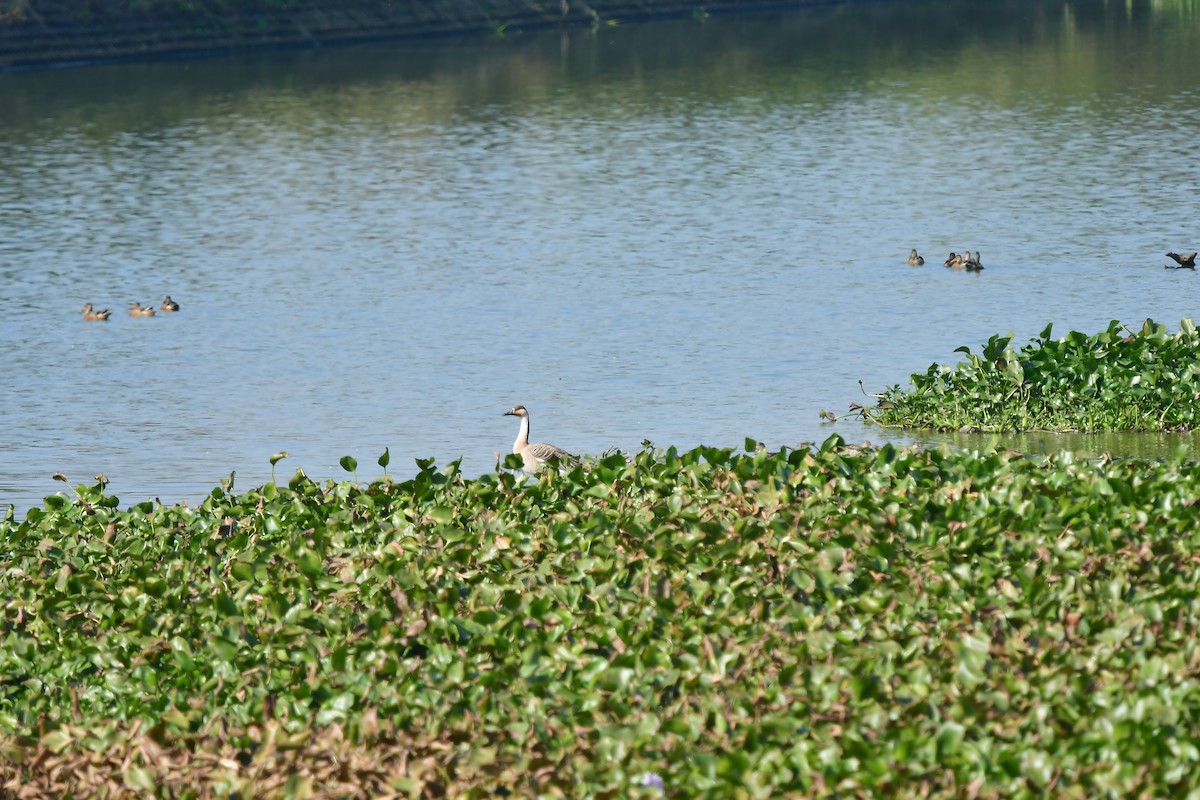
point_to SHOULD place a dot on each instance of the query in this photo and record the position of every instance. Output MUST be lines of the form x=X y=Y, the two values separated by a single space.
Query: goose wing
x=548 y=452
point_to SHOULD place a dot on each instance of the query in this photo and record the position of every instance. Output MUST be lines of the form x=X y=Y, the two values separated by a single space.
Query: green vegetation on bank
x=38 y=32
x=870 y=622
x=101 y=10
x=20 y=10
x=1117 y=380
x=448 y=11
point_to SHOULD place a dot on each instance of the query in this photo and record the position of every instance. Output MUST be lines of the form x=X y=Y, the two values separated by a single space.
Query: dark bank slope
x=41 y=33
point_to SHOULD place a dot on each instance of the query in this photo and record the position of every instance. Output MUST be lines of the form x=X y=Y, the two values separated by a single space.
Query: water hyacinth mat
x=826 y=621
x=1118 y=380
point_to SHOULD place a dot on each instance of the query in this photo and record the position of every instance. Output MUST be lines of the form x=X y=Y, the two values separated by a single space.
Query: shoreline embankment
x=39 y=34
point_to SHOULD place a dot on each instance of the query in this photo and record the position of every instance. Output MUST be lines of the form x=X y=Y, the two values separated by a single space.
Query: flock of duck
x=136 y=309
x=971 y=263
x=534 y=455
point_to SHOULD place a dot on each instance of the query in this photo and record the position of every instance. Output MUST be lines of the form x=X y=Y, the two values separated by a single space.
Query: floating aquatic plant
x=1117 y=380
x=870 y=622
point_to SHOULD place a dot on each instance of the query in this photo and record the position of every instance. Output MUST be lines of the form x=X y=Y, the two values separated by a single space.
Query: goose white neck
x=522 y=435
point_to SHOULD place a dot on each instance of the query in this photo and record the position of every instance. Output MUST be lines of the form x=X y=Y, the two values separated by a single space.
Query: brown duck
x=92 y=315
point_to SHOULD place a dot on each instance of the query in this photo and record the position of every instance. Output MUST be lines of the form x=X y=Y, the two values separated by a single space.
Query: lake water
x=688 y=232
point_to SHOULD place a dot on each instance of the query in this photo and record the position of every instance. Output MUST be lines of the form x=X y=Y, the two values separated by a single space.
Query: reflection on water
x=682 y=232
x=1096 y=445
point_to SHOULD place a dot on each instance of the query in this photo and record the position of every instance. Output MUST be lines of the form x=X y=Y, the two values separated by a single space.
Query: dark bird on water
x=1185 y=261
